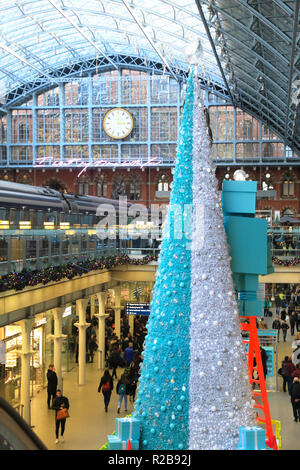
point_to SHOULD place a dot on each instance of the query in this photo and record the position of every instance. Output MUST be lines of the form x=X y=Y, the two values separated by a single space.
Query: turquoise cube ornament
x=247 y=239
x=252 y=438
x=239 y=197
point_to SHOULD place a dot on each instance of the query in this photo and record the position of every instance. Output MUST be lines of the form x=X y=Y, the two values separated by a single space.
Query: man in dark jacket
x=52 y=384
x=276 y=325
x=295 y=398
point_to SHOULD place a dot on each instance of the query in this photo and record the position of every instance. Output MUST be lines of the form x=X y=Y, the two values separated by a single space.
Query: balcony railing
x=36 y=249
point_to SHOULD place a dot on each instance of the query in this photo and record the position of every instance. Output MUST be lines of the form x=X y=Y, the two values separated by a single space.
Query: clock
x=118 y=123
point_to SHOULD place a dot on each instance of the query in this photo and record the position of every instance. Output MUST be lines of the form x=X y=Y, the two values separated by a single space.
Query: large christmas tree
x=194 y=391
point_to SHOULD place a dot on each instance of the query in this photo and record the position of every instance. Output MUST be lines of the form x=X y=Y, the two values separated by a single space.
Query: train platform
x=89 y=424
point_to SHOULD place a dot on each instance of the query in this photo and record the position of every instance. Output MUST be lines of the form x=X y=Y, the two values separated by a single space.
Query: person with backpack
x=122 y=391
x=107 y=385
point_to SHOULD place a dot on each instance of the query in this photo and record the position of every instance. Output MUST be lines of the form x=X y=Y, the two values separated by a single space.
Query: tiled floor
x=88 y=425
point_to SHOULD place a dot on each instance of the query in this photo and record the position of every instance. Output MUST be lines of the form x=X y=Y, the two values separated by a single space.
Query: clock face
x=118 y=123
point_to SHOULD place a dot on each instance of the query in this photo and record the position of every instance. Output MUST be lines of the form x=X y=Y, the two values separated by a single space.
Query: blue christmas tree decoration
x=163 y=399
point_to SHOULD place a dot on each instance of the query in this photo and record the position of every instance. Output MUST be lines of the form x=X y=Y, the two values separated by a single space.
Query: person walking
x=92 y=347
x=288 y=372
x=128 y=354
x=292 y=322
x=60 y=403
x=115 y=361
x=106 y=385
x=51 y=384
x=284 y=327
x=276 y=325
x=122 y=390
x=282 y=372
x=298 y=320
x=295 y=398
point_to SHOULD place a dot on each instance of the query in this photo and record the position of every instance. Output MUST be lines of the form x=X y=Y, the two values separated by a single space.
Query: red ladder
x=253 y=352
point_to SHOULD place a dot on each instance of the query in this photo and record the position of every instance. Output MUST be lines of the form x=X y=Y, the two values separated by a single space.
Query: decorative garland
x=26 y=278
x=284 y=262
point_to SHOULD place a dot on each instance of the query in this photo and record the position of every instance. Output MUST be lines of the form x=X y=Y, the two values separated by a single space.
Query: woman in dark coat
x=107 y=385
x=59 y=403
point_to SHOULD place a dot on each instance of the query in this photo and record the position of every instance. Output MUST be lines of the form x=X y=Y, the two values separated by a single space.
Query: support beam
x=101 y=296
x=82 y=325
x=26 y=328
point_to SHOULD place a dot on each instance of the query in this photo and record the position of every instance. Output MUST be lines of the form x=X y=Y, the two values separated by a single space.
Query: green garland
x=26 y=278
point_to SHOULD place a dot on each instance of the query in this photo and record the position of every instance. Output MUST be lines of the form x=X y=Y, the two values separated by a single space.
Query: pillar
x=82 y=325
x=58 y=338
x=93 y=307
x=101 y=296
x=117 y=309
x=26 y=326
x=131 y=324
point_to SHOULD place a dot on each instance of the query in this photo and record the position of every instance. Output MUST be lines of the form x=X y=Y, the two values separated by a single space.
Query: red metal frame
x=253 y=352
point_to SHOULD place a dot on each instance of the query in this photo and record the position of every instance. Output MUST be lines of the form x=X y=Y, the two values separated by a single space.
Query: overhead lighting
x=49 y=225
x=25 y=224
x=4 y=224
x=64 y=225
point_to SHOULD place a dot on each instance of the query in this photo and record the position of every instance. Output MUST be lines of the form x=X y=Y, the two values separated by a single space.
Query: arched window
x=288 y=186
x=57 y=184
x=134 y=193
x=24 y=179
x=119 y=188
x=163 y=183
x=101 y=186
x=83 y=186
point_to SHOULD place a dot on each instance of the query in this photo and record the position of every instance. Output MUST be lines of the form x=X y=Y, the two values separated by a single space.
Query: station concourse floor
x=89 y=424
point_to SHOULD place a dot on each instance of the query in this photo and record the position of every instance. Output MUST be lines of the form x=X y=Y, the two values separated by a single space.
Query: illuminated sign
x=79 y=163
x=137 y=309
x=68 y=311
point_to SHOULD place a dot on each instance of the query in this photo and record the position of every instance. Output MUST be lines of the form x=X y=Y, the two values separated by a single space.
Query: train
x=37 y=205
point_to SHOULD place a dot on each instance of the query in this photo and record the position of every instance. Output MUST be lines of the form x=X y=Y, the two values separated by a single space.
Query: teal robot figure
x=248 y=243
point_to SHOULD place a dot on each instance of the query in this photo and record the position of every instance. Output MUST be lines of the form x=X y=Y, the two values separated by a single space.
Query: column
x=101 y=296
x=131 y=324
x=58 y=338
x=117 y=309
x=26 y=326
x=93 y=307
x=82 y=325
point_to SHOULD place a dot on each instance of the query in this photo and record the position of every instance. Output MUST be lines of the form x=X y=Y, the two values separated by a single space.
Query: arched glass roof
x=250 y=47
x=39 y=36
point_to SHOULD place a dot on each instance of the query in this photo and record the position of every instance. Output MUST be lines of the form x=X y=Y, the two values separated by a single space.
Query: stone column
x=58 y=338
x=117 y=309
x=82 y=325
x=131 y=324
x=93 y=307
x=26 y=326
x=101 y=296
